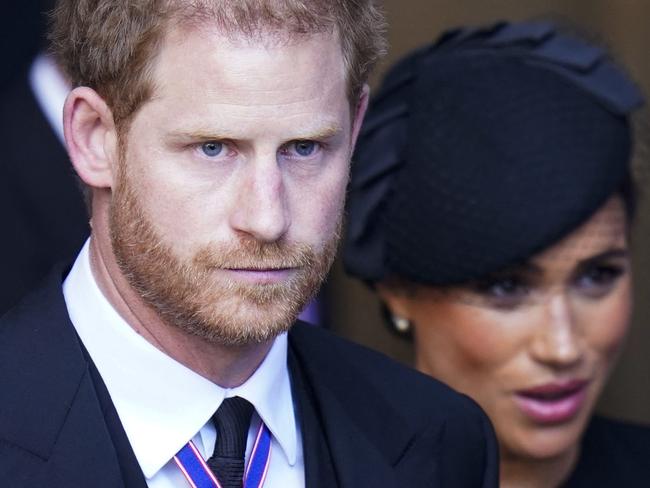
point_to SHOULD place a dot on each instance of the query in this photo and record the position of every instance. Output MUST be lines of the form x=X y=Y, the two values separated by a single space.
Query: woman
x=490 y=206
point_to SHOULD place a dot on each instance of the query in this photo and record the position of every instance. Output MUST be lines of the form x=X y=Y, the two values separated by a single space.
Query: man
x=44 y=217
x=214 y=138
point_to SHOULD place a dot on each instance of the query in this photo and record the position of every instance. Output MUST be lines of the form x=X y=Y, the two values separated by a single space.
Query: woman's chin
x=538 y=442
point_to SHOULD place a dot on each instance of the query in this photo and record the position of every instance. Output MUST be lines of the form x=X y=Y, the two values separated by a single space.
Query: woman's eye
x=506 y=292
x=505 y=287
x=599 y=278
x=212 y=148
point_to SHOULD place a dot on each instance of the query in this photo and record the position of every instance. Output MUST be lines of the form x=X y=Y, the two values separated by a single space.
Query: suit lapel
x=52 y=430
x=131 y=473
x=367 y=437
x=357 y=460
x=319 y=467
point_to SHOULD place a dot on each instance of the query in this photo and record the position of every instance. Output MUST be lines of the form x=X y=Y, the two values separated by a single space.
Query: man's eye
x=212 y=148
x=304 y=148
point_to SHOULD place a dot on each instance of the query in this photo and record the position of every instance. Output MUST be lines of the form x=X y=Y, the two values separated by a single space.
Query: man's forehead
x=255 y=36
x=215 y=85
x=250 y=19
x=241 y=65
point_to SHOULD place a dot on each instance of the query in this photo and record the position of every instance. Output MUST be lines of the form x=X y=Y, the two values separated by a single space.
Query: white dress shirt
x=163 y=404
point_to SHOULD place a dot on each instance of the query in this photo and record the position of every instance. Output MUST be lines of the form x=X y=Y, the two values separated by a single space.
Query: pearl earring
x=401 y=324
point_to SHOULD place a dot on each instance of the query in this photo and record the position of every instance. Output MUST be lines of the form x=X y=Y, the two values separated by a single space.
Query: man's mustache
x=251 y=254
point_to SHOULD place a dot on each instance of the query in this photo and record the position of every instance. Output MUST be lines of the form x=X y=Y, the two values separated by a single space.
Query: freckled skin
x=489 y=352
x=253 y=101
x=212 y=163
x=261 y=99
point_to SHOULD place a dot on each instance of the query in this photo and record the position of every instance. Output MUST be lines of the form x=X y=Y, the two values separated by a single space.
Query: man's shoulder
x=415 y=394
x=42 y=302
x=624 y=437
x=387 y=401
x=613 y=453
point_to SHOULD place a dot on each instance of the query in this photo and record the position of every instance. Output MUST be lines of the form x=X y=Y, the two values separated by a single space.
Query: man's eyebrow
x=326 y=132
x=199 y=135
x=217 y=134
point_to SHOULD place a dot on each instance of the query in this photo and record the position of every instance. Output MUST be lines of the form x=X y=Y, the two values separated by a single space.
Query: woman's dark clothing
x=614 y=454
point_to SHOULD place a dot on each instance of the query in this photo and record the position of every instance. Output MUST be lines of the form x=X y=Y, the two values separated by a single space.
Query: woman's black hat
x=483 y=149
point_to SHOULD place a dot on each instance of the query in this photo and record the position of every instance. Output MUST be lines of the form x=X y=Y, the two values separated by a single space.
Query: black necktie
x=232 y=421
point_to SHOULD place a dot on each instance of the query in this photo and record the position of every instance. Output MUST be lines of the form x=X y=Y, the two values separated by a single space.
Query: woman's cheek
x=470 y=338
x=607 y=326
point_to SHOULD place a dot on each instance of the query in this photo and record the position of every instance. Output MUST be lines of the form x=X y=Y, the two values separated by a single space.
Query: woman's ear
x=90 y=137
x=396 y=310
x=398 y=302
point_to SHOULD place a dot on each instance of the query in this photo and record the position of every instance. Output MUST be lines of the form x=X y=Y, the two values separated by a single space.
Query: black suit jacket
x=613 y=454
x=366 y=421
x=43 y=216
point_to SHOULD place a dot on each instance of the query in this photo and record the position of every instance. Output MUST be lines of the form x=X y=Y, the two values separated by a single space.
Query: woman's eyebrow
x=526 y=268
x=615 y=253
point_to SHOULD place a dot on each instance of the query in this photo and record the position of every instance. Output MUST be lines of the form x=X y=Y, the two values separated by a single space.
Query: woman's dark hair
x=629 y=193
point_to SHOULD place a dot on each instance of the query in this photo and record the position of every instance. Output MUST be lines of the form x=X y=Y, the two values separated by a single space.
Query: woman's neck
x=524 y=472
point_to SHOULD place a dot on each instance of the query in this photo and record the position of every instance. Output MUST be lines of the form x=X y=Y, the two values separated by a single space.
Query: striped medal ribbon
x=199 y=475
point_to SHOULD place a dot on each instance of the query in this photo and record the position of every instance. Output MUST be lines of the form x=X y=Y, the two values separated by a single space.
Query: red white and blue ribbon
x=199 y=475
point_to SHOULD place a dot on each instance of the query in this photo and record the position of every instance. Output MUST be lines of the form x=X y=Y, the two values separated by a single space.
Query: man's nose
x=260 y=207
x=557 y=342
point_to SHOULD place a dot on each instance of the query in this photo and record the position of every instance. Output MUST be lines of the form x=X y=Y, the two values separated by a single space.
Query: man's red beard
x=196 y=295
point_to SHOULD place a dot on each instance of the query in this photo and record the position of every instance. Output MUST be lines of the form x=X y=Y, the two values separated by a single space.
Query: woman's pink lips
x=552 y=403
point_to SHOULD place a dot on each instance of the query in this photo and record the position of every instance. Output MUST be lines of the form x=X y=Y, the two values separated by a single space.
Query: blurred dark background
x=21 y=35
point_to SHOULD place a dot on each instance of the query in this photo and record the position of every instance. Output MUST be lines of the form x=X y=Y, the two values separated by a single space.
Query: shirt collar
x=269 y=390
x=149 y=388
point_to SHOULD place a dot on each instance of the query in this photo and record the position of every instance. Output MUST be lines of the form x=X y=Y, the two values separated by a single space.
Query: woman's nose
x=557 y=341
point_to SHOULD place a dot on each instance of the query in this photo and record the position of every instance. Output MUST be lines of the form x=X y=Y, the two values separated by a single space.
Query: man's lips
x=259 y=275
x=553 y=402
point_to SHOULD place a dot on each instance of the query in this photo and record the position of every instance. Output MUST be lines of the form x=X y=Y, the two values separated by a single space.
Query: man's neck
x=226 y=366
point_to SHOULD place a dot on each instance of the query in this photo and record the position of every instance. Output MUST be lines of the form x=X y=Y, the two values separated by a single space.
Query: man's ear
x=91 y=137
x=359 y=113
